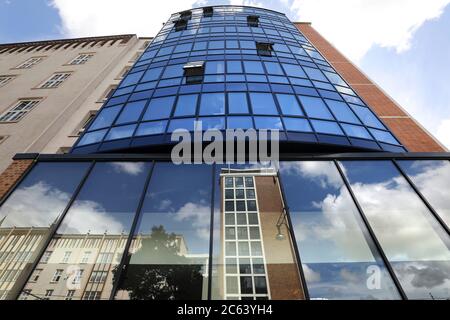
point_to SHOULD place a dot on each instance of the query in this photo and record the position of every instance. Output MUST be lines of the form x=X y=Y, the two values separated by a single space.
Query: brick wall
x=413 y=136
x=12 y=174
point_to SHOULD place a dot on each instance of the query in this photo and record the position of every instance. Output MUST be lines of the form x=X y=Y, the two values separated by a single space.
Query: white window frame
x=70 y=294
x=55 y=80
x=5 y=79
x=57 y=275
x=19 y=109
x=27 y=64
x=66 y=256
x=81 y=58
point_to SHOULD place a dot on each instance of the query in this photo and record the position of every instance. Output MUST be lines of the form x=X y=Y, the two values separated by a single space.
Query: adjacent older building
x=50 y=90
x=356 y=208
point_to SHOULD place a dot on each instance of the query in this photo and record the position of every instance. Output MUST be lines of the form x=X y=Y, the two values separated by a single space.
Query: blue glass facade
x=263 y=75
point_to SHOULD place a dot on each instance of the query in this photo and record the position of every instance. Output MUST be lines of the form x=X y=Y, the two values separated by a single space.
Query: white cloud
x=106 y=17
x=443 y=132
x=354 y=26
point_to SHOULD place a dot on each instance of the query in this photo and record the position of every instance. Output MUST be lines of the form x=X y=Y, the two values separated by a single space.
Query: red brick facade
x=12 y=174
x=411 y=134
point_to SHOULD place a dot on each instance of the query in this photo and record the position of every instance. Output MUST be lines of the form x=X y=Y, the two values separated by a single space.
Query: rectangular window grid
x=30 y=63
x=5 y=79
x=81 y=58
x=55 y=80
x=20 y=109
x=245 y=274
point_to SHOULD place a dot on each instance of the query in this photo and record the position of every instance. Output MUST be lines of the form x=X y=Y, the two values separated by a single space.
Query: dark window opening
x=181 y=25
x=253 y=21
x=186 y=15
x=208 y=12
x=264 y=48
x=194 y=71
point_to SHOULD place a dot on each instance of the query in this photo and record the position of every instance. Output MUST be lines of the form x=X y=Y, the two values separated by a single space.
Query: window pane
x=237 y=103
x=289 y=105
x=32 y=208
x=215 y=67
x=333 y=242
x=212 y=104
x=268 y=123
x=326 y=127
x=239 y=123
x=253 y=67
x=105 y=118
x=342 y=111
x=315 y=74
x=98 y=221
x=173 y=71
x=159 y=108
x=234 y=67
x=273 y=68
x=414 y=243
x=294 y=70
x=356 y=131
x=131 y=112
x=121 y=132
x=383 y=136
x=187 y=124
x=169 y=255
x=212 y=123
x=149 y=128
x=295 y=124
x=92 y=137
x=263 y=103
x=432 y=178
x=152 y=74
x=315 y=108
x=186 y=105
x=367 y=117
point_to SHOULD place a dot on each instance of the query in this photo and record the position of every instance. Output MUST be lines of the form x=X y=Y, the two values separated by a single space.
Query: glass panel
x=413 y=241
x=169 y=253
x=342 y=111
x=293 y=70
x=253 y=67
x=335 y=248
x=263 y=103
x=383 y=136
x=356 y=131
x=92 y=137
x=121 y=132
x=315 y=108
x=239 y=123
x=186 y=105
x=367 y=117
x=212 y=104
x=159 y=108
x=27 y=219
x=131 y=112
x=249 y=261
x=234 y=67
x=105 y=118
x=273 y=68
x=149 y=128
x=432 y=178
x=90 y=240
x=327 y=127
x=295 y=124
x=268 y=123
x=237 y=103
x=289 y=105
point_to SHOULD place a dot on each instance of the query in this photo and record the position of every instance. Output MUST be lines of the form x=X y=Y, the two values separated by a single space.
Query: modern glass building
x=347 y=213
x=242 y=68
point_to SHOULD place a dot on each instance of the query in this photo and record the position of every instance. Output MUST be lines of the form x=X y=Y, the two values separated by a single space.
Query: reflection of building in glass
x=331 y=220
x=256 y=265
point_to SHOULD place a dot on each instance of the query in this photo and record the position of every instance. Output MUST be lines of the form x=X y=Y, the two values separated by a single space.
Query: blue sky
x=403 y=45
